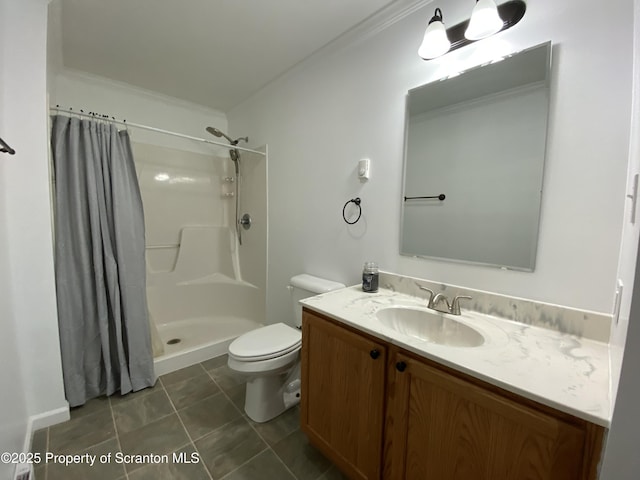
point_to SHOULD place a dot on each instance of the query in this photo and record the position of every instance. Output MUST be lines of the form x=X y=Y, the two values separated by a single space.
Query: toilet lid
x=266 y=342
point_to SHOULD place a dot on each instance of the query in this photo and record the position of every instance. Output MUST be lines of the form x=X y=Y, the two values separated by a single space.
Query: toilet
x=269 y=357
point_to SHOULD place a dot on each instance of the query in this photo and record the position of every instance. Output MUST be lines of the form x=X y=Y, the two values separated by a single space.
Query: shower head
x=220 y=133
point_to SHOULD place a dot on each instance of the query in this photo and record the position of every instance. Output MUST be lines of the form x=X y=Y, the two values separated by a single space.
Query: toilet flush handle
x=290 y=288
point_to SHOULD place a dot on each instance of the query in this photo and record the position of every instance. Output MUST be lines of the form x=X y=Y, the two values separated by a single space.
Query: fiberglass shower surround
x=234 y=154
x=203 y=289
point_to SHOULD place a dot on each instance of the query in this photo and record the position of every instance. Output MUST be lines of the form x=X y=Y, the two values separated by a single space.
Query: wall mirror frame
x=475 y=147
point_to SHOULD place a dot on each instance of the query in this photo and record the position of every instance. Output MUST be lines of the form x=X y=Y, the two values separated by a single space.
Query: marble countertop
x=563 y=371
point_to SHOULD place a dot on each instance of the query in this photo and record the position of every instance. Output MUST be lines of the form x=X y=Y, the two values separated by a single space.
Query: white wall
x=32 y=388
x=337 y=108
x=92 y=93
x=13 y=414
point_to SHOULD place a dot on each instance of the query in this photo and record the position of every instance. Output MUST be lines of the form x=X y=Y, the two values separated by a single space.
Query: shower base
x=194 y=340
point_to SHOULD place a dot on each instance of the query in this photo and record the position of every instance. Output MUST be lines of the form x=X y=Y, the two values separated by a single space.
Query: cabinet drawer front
x=448 y=428
x=342 y=407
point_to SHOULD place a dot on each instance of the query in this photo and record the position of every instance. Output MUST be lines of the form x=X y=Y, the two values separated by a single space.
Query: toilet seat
x=265 y=343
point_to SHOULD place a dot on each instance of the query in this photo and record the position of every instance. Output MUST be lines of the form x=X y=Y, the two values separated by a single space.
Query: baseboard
x=52 y=417
x=43 y=420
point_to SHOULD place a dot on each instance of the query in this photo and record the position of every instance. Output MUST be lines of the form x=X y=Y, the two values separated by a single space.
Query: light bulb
x=435 y=42
x=485 y=21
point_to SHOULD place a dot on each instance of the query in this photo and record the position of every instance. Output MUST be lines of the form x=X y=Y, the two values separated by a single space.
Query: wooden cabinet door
x=342 y=403
x=442 y=427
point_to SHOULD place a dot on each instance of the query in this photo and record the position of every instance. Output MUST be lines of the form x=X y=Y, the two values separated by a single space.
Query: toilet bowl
x=269 y=357
x=266 y=356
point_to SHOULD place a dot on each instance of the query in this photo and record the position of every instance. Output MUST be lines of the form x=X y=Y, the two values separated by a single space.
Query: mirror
x=479 y=139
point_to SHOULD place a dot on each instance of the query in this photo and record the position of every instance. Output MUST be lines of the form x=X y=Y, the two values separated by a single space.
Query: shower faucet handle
x=245 y=221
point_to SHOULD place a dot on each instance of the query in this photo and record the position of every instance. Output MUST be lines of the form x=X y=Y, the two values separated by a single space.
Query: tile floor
x=196 y=409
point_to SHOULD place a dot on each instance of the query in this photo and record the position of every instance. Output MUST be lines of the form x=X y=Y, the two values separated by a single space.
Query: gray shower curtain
x=100 y=261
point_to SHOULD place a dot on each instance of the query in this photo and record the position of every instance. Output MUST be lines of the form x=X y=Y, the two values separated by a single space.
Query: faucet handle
x=430 y=294
x=455 y=305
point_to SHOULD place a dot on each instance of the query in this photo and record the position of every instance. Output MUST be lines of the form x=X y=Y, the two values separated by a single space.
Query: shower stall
x=206 y=274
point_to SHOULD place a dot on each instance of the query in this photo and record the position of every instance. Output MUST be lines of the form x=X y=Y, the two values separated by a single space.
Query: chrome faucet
x=436 y=301
x=439 y=303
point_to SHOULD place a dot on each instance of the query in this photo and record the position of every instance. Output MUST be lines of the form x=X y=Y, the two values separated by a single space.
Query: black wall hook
x=4 y=148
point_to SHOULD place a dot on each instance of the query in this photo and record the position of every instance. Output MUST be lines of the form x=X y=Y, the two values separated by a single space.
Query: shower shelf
x=158 y=247
x=216 y=278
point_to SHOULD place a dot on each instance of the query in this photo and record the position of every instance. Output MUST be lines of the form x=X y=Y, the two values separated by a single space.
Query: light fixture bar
x=511 y=13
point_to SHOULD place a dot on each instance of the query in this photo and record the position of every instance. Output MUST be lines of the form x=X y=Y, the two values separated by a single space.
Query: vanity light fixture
x=435 y=42
x=487 y=19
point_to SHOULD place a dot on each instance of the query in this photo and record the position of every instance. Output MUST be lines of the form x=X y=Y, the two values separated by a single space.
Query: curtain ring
x=357 y=202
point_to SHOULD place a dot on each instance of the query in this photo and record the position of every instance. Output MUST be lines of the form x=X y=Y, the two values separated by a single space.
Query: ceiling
x=215 y=53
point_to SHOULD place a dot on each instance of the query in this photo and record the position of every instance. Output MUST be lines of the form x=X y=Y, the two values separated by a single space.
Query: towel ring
x=357 y=201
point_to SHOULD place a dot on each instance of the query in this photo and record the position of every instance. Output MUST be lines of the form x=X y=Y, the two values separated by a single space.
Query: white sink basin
x=430 y=326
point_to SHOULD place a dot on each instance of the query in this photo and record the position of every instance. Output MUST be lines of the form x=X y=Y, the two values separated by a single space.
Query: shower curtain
x=100 y=261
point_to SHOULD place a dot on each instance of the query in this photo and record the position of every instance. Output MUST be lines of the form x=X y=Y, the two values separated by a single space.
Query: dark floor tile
x=117 y=399
x=300 y=457
x=81 y=432
x=215 y=362
x=284 y=424
x=40 y=472
x=237 y=395
x=207 y=415
x=333 y=474
x=264 y=466
x=179 y=467
x=92 y=406
x=180 y=375
x=100 y=470
x=162 y=436
x=141 y=411
x=187 y=392
x=39 y=442
x=229 y=447
x=226 y=378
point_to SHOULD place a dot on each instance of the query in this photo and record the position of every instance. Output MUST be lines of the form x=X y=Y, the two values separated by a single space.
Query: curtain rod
x=153 y=129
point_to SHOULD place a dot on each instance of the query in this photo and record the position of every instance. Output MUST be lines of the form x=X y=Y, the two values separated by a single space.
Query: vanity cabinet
x=438 y=423
x=343 y=391
x=445 y=427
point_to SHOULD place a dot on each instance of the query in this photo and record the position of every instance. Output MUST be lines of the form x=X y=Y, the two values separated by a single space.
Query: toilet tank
x=304 y=286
